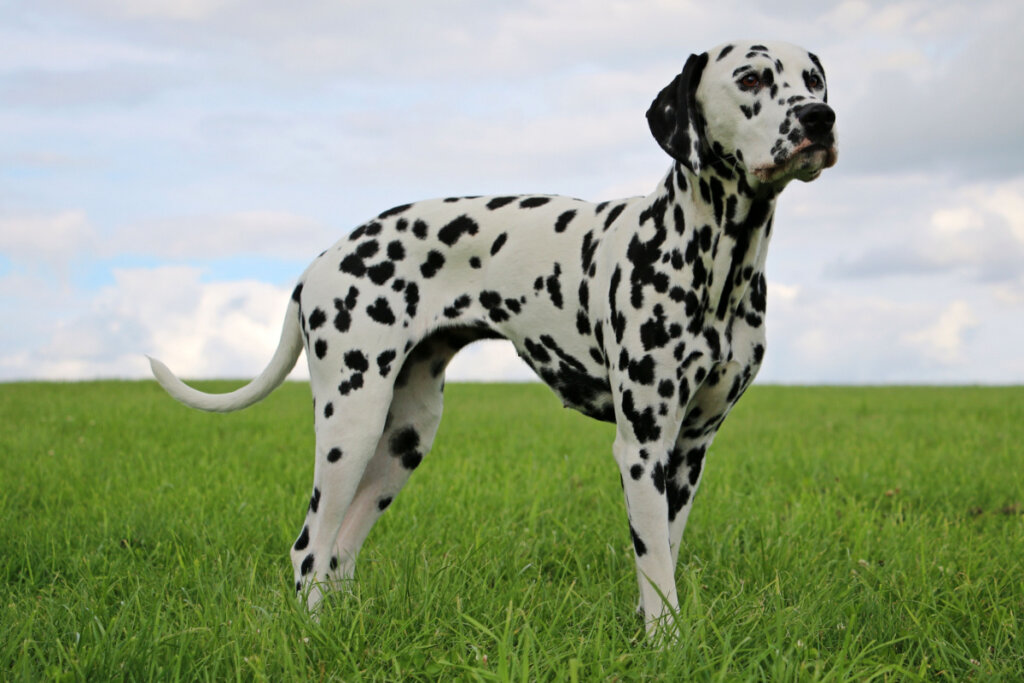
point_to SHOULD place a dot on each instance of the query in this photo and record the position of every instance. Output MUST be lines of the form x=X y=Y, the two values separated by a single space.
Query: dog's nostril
x=816 y=119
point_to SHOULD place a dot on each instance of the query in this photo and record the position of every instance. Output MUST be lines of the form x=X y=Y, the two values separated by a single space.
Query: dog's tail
x=287 y=353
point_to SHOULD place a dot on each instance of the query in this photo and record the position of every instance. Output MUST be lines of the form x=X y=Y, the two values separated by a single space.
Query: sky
x=169 y=167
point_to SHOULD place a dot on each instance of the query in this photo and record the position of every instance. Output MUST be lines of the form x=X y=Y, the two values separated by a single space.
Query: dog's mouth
x=805 y=163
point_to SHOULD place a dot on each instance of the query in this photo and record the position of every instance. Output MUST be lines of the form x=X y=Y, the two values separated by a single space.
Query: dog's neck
x=720 y=223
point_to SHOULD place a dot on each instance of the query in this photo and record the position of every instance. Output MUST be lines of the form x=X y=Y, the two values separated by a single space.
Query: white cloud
x=52 y=238
x=490 y=360
x=221 y=329
x=276 y=234
x=168 y=10
x=973 y=231
x=944 y=339
x=956 y=220
x=200 y=329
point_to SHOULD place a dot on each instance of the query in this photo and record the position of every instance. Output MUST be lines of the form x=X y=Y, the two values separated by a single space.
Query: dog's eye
x=813 y=82
x=750 y=80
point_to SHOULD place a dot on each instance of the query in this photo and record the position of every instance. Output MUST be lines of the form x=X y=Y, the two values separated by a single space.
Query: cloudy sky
x=169 y=167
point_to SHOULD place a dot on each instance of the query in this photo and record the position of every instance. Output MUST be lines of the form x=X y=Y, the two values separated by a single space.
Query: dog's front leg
x=642 y=464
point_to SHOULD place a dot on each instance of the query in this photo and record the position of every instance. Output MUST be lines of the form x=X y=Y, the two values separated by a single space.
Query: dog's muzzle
x=816 y=152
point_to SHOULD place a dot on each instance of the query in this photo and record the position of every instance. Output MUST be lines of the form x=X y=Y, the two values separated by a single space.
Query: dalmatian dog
x=647 y=312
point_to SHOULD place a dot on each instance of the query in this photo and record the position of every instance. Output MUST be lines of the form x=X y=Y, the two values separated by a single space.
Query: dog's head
x=758 y=107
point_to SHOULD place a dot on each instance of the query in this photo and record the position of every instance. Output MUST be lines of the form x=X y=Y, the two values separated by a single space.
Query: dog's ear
x=675 y=119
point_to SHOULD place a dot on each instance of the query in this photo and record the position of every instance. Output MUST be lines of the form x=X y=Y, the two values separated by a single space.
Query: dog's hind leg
x=347 y=433
x=411 y=426
x=682 y=477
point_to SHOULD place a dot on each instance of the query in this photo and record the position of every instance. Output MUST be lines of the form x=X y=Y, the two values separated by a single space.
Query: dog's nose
x=817 y=120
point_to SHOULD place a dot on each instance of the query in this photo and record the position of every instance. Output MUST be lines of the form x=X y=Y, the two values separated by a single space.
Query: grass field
x=840 y=533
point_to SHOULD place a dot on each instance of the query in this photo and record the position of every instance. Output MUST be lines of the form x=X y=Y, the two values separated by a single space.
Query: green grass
x=868 y=533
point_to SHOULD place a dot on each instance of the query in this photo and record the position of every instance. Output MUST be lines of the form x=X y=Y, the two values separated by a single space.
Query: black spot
x=384 y=361
x=613 y=214
x=433 y=264
x=321 y=348
x=394 y=211
x=759 y=353
x=642 y=371
x=412 y=299
x=353 y=265
x=412 y=460
x=297 y=292
x=658 y=477
x=354 y=382
x=314 y=501
x=584 y=295
x=380 y=311
x=582 y=322
x=334 y=562
x=587 y=250
x=666 y=388
x=563 y=221
x=725 y=50
x=636 y=471
x=491 y=301
x=474 y=262
x=419 y=228
x=334 y=455
x=383 y=503
x=355 y=360
x=463 y=225
x=653 y=333
x=381 y=273
x=536 y=351
x=643 y=423
x=758 y=293
x=713 y=342
x=403 y=441
x=396 y=252
x=677 y=495
x=303 y=540
x=457 y=306
x=328 y=409
x=499 y=202
x=554 y=287
x=307 y=565
x=317 y=318
x=342 y=319
x=534 y=202
x=695 y=461
x=351 y=298
x=499 y=242
x=618 y=320
x=638 y=545
x=367 y=249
